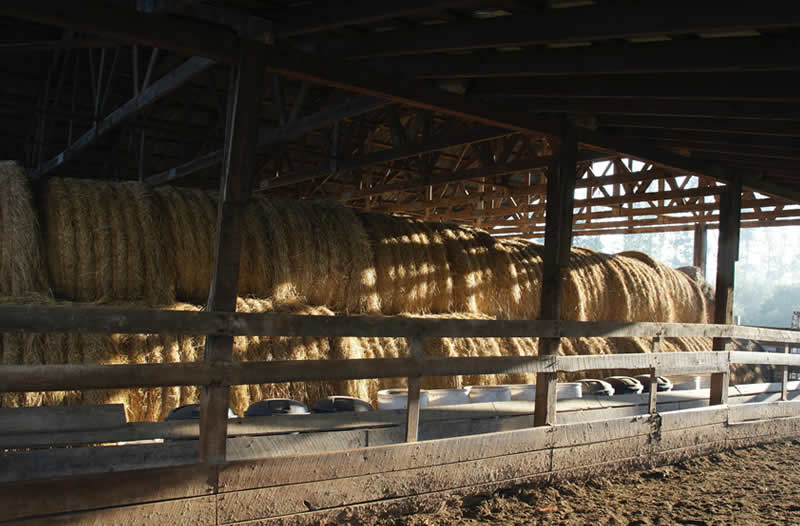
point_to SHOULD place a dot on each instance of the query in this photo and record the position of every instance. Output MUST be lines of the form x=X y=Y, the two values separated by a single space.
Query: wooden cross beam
x=568 y=26
x=156 y=91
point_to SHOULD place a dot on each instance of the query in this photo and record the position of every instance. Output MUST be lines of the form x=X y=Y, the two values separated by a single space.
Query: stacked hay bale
x=125 y=244
x=22 y=267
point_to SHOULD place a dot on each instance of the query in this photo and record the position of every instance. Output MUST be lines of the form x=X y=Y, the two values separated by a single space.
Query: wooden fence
x=228 y=475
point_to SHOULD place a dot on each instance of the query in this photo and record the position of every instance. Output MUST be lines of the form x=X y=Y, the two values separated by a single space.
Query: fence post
x=652 y=399
x=416 y=346
x=785 y=377
x=730 y=208
x=241 y=134
x=561 y=178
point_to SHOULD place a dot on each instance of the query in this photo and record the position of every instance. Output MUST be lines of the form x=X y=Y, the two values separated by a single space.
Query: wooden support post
x=785 y=377
x=557 y=243
x=700 y=244
x=238 y=174
x=416 y=347
x=730 y=210
x=652 y=399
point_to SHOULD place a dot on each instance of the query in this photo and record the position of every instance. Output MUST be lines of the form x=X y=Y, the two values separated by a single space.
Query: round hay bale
x=22 y=265
x=89 y=226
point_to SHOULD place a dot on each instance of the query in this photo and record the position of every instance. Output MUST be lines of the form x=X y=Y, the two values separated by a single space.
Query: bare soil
x=760 y=485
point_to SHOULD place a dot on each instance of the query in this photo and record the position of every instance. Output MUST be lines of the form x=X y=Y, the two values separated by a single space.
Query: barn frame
x=445 y=110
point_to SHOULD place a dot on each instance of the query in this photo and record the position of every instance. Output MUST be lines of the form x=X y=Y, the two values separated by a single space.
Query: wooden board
x=74 y=494
x=61 y=318
x=60 y=463
x=255 y=490
x=61 y=418
x=195 y=510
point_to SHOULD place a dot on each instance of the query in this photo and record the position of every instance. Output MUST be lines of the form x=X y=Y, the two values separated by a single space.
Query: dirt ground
x=754 y=486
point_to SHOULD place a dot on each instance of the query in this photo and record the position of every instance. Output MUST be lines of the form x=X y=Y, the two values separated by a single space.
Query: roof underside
x=444 y=110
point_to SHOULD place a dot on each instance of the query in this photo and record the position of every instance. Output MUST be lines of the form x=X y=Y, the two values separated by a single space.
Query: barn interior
x=286 y=191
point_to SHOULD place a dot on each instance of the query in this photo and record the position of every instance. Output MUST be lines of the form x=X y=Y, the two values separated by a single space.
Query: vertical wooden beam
x=653 y=398
x=557 y=243
x=700 y=244
x=730 y=211
x=785 y=377
x=239 y=169
x=416 y=346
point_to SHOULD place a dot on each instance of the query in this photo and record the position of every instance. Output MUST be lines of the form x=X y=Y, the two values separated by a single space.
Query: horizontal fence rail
x=15 y=378
x=62 y=318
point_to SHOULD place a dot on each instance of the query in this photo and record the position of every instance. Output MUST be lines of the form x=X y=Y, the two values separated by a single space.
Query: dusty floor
x=755 y=486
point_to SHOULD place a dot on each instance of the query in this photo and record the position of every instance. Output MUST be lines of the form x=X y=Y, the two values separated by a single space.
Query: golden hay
x=104 y=242
x=411 y=265
x=22 y=267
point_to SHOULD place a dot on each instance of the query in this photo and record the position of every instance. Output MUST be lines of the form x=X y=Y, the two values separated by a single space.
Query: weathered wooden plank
x=238 y=177
x=600 y=431
x=697 y=417
x=416 y=346
x=600 y=452
x=23 y=420
x=306 y=468
x=785 y=377
x=557 y=243
x=62 y=377
x=69 y=462
x=730 y=218
x=44 y=318
x=765 y=358
x=193 y=510
x=684 y=438
x=787 y=427
x=74 y=494
x=664 y=363
x=260 y=447
x=276 y=501
x=764 y=411
x=436 y=422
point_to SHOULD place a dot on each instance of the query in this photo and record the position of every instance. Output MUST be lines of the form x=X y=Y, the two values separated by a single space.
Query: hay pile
x=22 y=268
x=105 y=241
x=125 y=244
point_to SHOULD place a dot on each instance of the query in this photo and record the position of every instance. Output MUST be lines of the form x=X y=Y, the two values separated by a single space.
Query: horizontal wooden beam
x=467 y=174
x=567 y=26
x=95 y=17
x=710 y=109
x=696 y=55
x=202 y=39
x=21 y=378
x=300 y=20
x=715 y=125
x=113 y=320
x=625 y=212
x=158 y=90
x=394 y=154
x=767 y=86
x=627 y=222
x=267 y=137
x=594 y=201
x=667 y=158
x=769 y=142
x=595 y=229
x=522 y=192
x=50 y=45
